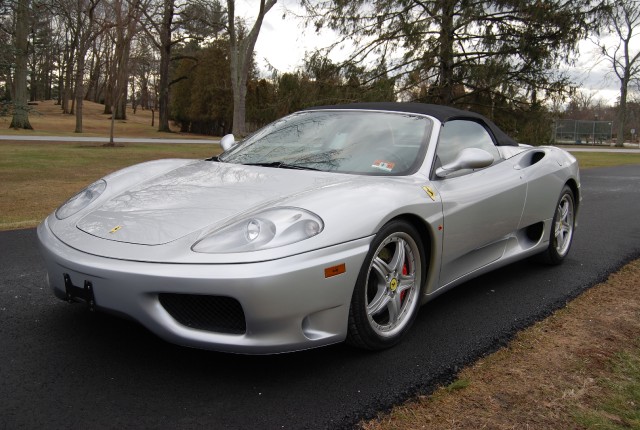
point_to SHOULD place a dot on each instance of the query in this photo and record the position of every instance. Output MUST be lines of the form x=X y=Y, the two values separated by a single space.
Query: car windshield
x=360 y=142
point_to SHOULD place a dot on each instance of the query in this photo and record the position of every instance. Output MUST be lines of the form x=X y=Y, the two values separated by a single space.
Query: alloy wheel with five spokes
x=387 y=295
x=562 y=228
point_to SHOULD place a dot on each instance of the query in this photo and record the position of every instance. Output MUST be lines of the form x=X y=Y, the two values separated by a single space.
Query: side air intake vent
x=534 y=232
x=530 y=158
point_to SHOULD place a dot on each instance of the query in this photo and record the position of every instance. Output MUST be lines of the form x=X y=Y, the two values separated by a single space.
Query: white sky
x=283 y=43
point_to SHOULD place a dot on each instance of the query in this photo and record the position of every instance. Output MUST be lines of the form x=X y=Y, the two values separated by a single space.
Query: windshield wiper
x=281 y=165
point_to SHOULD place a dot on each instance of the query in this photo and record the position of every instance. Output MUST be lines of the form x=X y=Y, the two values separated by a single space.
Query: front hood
x=193 y=197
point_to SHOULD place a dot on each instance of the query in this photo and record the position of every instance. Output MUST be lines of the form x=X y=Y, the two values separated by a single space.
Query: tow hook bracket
x=79 y=294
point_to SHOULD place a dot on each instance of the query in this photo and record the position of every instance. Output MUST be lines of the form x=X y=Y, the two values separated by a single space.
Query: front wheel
x=387 y=294
x=562 y=228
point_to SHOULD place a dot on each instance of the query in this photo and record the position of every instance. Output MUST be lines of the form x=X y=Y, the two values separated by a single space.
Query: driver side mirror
x=227 y=141
x=468 y=158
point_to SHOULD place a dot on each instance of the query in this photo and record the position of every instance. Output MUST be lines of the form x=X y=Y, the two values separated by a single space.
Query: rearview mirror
x=227 y=141
x=469 y=158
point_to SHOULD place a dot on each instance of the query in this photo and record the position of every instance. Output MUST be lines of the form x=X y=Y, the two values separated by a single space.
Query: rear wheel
x=562 y=228
x=387 y=294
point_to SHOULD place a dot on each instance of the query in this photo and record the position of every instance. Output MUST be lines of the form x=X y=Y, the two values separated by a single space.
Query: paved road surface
x=105 y=139
x=62 y=367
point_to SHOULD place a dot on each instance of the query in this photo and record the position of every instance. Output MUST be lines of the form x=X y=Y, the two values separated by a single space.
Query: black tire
x=562 y=228
x=388 y=291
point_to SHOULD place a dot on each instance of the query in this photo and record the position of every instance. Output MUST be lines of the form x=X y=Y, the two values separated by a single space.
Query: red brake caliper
x=404 y=272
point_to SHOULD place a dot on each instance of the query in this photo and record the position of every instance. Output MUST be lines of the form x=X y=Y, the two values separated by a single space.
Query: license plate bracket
x=82 y=294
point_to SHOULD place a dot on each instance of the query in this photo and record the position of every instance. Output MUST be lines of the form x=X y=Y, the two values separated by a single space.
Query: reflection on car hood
x=193 y=197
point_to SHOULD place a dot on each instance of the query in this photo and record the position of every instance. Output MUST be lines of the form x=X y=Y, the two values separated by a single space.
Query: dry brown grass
x=47 y=118
x=548 y=375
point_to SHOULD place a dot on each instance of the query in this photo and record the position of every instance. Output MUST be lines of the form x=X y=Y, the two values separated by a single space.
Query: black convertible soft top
x=441 y=113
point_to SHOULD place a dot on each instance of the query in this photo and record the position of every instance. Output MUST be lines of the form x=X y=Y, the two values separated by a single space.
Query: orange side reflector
x=335 y=270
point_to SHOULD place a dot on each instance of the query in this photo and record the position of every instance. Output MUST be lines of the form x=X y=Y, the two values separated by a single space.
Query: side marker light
x=335 y=270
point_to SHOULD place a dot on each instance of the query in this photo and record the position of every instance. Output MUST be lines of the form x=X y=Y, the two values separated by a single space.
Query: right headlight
x=268 y=229
x=81 y=200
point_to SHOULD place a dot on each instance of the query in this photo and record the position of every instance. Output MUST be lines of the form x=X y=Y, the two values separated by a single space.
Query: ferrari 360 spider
x=331 y=224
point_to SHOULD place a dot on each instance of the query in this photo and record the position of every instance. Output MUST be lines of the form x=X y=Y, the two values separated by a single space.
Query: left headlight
x=81 y=200
x=268 y=229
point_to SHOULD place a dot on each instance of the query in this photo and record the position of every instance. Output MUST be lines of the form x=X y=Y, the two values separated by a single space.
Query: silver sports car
x=331 y=224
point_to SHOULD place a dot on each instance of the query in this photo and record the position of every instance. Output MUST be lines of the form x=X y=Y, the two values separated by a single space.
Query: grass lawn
x=619 y=405
x=605 y=159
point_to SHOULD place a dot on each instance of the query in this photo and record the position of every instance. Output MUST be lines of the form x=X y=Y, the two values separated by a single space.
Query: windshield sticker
x=387 y=166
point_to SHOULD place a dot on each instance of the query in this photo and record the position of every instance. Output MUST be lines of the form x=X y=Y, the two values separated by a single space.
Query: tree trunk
x=446 y=66
x=126 y=30
x=241 y=56
x=123 y=82
x=134 y=101
x=110 y=81
x=121 y=107
x=79 y=93
x=163 y=96
x=165 y=59
x=622 y=114
x=94 y=74
x=68 y=75
x=144 y=90
x=239 y=110
x=20 y=108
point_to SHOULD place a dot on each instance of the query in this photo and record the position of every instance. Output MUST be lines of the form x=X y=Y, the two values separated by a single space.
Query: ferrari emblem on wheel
x=393 y=284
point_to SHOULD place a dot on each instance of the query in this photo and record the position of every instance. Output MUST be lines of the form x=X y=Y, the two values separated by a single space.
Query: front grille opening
x=211 y=313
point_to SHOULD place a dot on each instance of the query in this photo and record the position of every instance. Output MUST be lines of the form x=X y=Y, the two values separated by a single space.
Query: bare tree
x=623 y=53
x=159 y=26
x=143 y=67
x=20 y=108
x=127 y=28
x=126 y=20
x=582 y=100
x=88 y=30
x=65 y=77
x=84 y=22
x=241 y=56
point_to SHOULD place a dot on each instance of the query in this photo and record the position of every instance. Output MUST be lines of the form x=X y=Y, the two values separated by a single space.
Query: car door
x=481 y=208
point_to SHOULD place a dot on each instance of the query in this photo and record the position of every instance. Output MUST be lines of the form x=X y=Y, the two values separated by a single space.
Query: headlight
x=81 y=200
x=268 y=229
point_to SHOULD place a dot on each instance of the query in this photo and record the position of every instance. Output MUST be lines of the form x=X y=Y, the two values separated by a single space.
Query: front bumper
x=288 y=303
